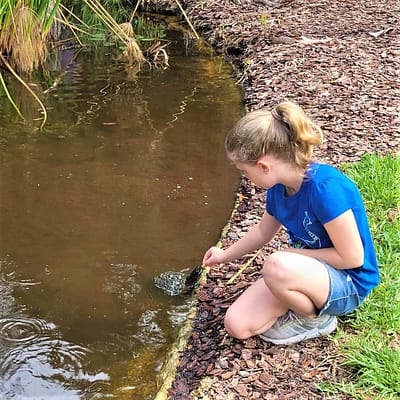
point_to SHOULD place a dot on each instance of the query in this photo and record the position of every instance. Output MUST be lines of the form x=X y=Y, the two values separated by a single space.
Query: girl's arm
x=347 y=251
x=256 y=237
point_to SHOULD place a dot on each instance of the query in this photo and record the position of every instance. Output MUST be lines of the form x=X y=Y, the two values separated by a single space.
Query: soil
x=340 y=60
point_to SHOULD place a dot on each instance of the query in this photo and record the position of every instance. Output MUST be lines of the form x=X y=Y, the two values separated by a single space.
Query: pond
x=127 y=179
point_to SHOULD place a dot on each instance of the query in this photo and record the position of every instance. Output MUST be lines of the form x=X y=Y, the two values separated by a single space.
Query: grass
x=370 y=339
x=27 y=27
x=24 y=29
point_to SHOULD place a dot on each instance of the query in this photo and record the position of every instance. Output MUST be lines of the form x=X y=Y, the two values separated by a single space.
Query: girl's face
x=258 y=173
x=269 y=171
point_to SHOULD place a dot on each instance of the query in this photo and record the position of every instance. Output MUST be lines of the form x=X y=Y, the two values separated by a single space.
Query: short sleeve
x=268 y=197
x=271 y=199
x=332 y=197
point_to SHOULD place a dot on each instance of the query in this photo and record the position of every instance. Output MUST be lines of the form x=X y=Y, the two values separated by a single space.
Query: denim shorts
x=343 y=296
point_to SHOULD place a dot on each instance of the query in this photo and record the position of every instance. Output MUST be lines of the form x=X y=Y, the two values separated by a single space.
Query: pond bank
x=340 y=61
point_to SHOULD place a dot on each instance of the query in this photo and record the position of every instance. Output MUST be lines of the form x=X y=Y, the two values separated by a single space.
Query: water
x=128 y=179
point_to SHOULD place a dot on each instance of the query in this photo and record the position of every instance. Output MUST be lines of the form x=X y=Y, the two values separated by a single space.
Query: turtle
x=175 y=283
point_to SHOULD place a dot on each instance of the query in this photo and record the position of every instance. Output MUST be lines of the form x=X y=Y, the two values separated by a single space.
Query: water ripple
x=21 y=329
x=38 y=363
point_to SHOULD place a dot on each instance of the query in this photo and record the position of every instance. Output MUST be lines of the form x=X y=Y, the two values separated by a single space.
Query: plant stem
x=10 y=99
x=243 y=267
x=134 y=11
x=26 y=86
x=187 y=20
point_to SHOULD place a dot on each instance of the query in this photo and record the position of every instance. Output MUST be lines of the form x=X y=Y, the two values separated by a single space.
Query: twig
x=382 y=32
x=187 y=19
x=134 y=11
x=307 y=40
x=243 y=267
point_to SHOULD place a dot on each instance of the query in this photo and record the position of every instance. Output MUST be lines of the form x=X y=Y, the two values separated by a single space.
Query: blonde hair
x=285 y=132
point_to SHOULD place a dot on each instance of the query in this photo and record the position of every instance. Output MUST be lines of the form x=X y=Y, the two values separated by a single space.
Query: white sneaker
x=291 y=328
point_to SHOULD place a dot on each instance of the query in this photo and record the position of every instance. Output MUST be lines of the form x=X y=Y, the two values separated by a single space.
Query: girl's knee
x=276 y=267
x=234 y=326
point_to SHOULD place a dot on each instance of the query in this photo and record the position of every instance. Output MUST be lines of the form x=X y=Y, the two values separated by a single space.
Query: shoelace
x=289 y=316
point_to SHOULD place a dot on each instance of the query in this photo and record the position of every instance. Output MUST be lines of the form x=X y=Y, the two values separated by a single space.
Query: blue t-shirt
x=324 y=194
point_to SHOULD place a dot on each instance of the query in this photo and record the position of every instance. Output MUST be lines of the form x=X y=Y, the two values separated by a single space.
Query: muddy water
x=127 y=179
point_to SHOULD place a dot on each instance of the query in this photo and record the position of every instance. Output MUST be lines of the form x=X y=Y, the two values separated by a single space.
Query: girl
x=331 y=264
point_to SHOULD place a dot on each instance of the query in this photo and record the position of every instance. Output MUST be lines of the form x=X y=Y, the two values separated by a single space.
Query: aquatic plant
x=123 y=32
x=28 y=28
x=24 y=30
x=26 y=86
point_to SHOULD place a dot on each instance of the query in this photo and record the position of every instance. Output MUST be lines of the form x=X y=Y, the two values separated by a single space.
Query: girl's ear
x=264 y=165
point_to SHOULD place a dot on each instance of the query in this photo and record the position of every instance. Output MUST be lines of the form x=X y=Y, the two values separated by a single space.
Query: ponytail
x=285 y=132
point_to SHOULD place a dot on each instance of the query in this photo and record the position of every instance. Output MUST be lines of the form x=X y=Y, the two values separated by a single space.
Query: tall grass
x=27 y=27
x=370 y=341
x=92 y=19
x=123 y=32
x=24 y=27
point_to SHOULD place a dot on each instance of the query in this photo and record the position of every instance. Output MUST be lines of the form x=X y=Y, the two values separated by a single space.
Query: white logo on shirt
x=313 y=241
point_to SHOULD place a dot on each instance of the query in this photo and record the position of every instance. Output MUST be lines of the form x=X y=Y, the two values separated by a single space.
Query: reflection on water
x=128 y=179
x=45 y=367
x=35 y=361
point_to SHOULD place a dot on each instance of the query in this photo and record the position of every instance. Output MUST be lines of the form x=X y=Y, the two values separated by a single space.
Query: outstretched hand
x=213 y=256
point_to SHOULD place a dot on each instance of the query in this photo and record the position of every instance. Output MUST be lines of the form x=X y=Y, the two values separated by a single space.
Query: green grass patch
x=370 y=338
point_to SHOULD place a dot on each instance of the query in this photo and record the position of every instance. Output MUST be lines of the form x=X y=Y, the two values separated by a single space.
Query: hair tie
x=276 y=116
x=283 y=119
x=280 y=117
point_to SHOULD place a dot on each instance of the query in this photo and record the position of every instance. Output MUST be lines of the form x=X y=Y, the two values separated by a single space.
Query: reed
x=132 y=53
x=24 y=30
x=9 y=96
x=27 y=27
x=26 y=86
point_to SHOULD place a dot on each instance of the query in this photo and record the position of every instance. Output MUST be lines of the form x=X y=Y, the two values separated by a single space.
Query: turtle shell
x=171 y=282
x=174 y=283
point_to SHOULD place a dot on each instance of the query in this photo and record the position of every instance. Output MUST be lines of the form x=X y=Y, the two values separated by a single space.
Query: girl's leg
x=255 y=311
x=291 y=281
x=299 y=282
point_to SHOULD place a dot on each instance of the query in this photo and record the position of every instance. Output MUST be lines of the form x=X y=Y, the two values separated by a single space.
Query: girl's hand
x=214 y=255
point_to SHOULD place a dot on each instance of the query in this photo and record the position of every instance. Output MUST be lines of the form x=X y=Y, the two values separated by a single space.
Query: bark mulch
x=216 y=366
x=340 y=60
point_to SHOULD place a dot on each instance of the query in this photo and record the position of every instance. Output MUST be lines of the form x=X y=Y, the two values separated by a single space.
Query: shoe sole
x=311 y=334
